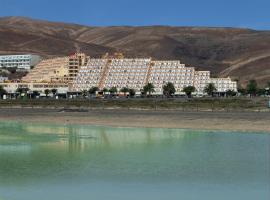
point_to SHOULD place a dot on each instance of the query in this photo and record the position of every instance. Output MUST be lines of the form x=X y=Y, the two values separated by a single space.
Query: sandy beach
x=237 y=121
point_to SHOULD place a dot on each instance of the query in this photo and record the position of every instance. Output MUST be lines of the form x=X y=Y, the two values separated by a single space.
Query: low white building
x=61 y=88
x=20 y=62
x=224 y=84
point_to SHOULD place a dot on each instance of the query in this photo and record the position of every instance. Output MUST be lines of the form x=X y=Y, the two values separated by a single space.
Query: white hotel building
x=20 y=62
x=135 y=73
x=162 y=72
x=224 y=84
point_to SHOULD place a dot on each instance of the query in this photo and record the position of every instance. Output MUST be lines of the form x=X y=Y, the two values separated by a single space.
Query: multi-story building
x=61 y=69
x=49 y=70
x=224 y=84
x=19 y=62
x=131 y=73
x=107 y=73
x=120 y=72
x=82 y=73
x=75 y=62
x=89 y=75
x=162 y=72
x=201 y=79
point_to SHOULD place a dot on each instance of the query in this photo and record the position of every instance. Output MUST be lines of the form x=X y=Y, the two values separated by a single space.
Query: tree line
x=253 y=89
x=169 y=90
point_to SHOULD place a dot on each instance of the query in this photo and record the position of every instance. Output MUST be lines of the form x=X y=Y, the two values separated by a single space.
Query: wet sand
x=236 y=121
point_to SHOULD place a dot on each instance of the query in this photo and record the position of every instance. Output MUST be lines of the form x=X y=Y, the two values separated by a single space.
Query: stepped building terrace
x=136 y=72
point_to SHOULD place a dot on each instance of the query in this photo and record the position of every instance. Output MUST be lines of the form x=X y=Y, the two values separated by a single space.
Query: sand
x=231 y=121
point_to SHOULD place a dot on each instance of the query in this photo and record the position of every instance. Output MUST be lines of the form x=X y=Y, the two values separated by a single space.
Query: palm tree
x=54 y=91
x=252 y=87
x=22 y=91
x=113 y=90
x=84 y=93
x=132 y=92
x=149 y=88
x=230 y=93
x=188 y=90
x=210 y=89
x=124 y=90
x=93 y=90
x=47 y=92
x=105 y=90
x=35 y=93
x=168 y=89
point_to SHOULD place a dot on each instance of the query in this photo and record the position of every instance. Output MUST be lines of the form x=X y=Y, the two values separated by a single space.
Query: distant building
x=61 y=69
x=162 y=72
x=224 y=84
x=81 y=72
x=3 y=79
x=201 y=80
x=134 y=73
x=40 y=87
x=49 y=70
x=19 y=62
x=75 y=61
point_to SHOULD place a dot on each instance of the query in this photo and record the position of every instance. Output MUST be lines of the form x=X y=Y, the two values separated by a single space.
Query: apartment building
x=107 y=73
x=201 y=80
x=40 y=87
x=121 y=72
x=89 y=75
x=60 y=69
x=19 y=62
x=75 y=62
x=49 y=70
x=162 y=72
x=82 y=72
x=224 y=84
x=131 y=73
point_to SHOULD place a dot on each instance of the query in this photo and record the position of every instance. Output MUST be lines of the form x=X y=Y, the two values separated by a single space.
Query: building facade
x=162 y=72
x=107 y=73
x=49 y=70
x=201 y=80
x=62 y=88
x=61 y=69
x=75 y=61
x=135 y=73
x=19 y=62
x=224 y=84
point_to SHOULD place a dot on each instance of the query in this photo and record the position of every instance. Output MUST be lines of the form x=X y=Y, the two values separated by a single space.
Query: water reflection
x=81 y=138
x=31 y=154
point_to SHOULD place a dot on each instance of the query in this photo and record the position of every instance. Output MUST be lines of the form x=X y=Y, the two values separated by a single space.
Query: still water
x=45 y=161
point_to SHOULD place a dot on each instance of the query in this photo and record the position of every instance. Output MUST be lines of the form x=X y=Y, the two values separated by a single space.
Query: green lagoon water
x=53 y=162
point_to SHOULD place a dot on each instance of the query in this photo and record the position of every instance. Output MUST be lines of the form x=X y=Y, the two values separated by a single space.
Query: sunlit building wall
x=137 y=72
x=19 y=62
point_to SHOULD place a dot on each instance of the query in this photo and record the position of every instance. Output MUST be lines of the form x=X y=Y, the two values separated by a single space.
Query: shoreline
x=225 y=121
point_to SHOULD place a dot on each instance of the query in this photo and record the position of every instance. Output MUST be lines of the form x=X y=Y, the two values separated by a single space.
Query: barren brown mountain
x=243 y=54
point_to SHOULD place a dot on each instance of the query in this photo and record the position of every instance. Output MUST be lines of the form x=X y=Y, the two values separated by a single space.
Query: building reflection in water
x=76 y=138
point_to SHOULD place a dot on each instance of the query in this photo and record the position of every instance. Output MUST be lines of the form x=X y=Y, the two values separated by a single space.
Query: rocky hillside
x=240 y=53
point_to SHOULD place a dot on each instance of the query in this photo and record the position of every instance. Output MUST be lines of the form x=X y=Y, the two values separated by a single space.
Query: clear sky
x=229 y=13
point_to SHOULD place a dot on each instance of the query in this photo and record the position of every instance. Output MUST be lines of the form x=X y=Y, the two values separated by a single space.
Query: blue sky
x=229 y=13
